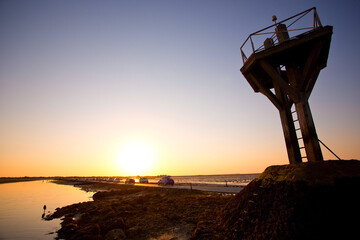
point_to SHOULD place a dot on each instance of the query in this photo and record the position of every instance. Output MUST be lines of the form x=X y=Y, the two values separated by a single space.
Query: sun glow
x=135 y=158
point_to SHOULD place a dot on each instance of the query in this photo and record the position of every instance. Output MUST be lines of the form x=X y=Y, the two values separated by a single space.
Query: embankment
x=302 y=201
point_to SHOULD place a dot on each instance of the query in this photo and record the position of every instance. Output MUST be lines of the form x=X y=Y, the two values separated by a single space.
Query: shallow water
x=21 y=208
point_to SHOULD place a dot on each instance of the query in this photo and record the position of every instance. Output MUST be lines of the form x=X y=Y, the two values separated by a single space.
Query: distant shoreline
x=22 y=179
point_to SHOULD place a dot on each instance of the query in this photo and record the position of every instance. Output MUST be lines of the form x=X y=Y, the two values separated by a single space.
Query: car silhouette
x=143 y=180
x=130 y=181
x=167 y=180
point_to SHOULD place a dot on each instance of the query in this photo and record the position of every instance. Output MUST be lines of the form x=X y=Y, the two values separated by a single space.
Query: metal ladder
x=298 y=132
x=299 y=136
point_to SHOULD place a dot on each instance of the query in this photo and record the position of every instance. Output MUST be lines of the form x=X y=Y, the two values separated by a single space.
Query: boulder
x=115 y=234
x=301 y=201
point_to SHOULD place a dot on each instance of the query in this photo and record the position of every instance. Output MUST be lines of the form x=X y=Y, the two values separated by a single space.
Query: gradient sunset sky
x=79 y=80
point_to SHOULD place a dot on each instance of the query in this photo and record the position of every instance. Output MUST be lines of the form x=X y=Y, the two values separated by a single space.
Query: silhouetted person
x=43 y=215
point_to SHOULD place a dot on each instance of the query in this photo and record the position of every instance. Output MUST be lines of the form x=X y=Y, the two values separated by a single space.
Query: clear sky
x=85 y=84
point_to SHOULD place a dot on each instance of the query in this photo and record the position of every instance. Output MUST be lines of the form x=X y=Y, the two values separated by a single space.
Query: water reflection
x=22 y=203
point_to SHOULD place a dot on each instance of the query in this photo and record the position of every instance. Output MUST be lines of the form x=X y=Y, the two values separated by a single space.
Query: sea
x=22 y=207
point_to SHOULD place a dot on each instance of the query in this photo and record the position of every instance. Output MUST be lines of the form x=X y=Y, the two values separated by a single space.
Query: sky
x=85 y=84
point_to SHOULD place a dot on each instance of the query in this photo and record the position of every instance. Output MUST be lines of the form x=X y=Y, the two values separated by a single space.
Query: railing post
x=317 y=19
x=252 y=44
x=314 y=20
x=243 y=56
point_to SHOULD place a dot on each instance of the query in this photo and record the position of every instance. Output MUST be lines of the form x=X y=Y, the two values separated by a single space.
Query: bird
x=44 y=208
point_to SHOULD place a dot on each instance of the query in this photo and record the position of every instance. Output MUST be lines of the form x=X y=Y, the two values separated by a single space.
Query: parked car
x=130 y=181
x=143 y=180
x=167 y=180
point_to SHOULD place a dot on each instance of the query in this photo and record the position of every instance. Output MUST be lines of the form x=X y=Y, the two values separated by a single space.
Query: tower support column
x=287 y=123
x=291 y=141
x=308 y=131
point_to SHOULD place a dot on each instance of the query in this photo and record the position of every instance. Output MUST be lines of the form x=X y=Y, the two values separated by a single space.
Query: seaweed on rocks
x=137 y=213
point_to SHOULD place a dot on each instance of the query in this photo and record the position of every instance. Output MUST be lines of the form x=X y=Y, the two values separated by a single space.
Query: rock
x=108 y=224
x=115 y=234
x=91 y=229
x=68 y=229
x=139 y=212
x=134 y=231
x=301 y=201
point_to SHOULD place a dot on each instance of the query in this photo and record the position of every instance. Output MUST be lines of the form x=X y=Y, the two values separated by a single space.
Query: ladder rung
x=293 y=111
x=301 y=147
x=296 y=120
x=304 y=157
x=300 y=138
x=297 y=129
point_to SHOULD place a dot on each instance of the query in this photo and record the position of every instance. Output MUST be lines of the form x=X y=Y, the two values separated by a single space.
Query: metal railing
x=289 y=22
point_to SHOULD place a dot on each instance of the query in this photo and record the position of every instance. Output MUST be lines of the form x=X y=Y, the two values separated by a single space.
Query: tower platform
x=295 y=51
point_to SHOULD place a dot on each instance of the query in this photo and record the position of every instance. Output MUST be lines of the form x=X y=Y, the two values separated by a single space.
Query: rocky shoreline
x=135 y=212
x=301 y=201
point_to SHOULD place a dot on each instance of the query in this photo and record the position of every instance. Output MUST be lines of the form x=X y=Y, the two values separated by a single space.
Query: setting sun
x=135 y=158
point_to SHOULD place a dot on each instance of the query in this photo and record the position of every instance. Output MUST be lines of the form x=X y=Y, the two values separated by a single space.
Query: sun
x=135 y=158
